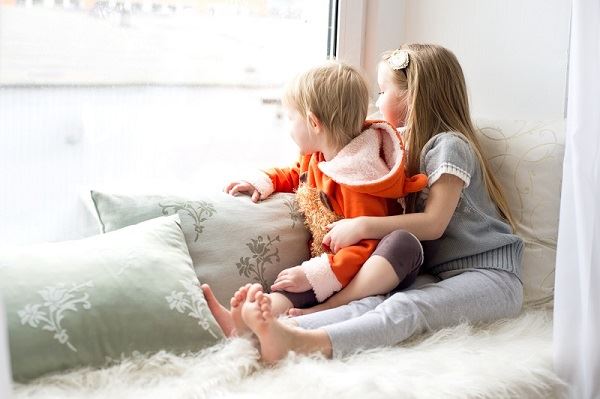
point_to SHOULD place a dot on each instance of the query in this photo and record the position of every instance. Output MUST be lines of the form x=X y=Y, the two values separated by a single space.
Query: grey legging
x=473 y=295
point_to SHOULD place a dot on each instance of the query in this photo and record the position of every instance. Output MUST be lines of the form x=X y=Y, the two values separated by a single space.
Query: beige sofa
x=509 y=358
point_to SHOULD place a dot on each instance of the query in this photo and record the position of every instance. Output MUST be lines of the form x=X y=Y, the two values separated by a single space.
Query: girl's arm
x=430 y=224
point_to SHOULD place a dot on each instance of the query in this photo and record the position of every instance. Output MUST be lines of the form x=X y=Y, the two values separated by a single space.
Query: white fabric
x=320 y=276
x=5 y=374
x=360 y=162
x=526 y=157
x=262 y=182
x=577 y=297
x=508 y=359
x=448 y=168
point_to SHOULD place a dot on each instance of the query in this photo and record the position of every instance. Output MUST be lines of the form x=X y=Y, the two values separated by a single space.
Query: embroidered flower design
x=49 y=315
x=178 y=301
x=294 y=209
x=31 y=315
x=262 y=254
x=200 y=211
x=192 y=301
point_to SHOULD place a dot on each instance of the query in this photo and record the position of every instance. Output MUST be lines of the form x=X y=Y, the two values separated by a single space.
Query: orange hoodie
x=363 y=179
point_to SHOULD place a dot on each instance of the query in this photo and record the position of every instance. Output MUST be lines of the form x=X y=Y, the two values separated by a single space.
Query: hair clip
x=398 y=60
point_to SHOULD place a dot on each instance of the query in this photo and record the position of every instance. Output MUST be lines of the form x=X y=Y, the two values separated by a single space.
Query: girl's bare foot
x=237 y=302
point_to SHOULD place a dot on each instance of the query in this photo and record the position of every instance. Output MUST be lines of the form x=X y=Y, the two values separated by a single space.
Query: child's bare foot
x=237 y=302
x=220 y=313
x=276 y=338
x=230 y=321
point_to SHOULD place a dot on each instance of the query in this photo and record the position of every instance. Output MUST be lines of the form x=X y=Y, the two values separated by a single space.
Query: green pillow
x=86 y=302
x=232 y=240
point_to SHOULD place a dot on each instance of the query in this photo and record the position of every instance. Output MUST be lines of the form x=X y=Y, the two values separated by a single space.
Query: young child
x=347 y=168
x=462 y=218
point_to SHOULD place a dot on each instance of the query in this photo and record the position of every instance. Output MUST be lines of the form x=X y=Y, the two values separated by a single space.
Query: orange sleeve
x=287 y=180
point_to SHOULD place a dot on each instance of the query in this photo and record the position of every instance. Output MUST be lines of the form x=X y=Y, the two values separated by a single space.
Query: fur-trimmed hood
x=374 y=163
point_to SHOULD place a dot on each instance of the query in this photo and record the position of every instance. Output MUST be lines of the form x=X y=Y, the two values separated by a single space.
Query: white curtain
x=577 y=296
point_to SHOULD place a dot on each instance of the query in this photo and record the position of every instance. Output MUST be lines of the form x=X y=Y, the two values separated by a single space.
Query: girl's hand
x=242 y=187
x=291 y=280
x=343 y=233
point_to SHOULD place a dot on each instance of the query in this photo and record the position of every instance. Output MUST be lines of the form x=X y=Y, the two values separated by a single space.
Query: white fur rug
x=507 y=359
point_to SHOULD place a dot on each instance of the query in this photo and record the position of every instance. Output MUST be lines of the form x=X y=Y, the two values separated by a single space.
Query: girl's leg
x=476 y=295
x=336 y=315
x=396 y=260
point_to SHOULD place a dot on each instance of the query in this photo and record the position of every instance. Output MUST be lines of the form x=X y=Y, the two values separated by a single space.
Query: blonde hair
x=337 y=94
x=438 y=102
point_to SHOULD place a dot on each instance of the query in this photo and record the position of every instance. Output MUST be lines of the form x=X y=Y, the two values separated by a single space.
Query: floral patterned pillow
x=97 y=300
x=232 y=240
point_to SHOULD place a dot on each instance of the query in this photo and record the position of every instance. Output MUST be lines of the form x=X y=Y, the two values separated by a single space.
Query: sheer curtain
x=577 y=296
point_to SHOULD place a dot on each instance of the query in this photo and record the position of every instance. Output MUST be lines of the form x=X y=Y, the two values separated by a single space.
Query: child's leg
x=280 y=304
x=376 y=277
x=395 y=261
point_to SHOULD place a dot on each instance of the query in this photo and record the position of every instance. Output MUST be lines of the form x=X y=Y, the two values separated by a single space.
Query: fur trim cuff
x=262 y=182
x=320 y=276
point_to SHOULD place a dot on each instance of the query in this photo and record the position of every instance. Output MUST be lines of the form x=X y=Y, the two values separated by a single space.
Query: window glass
x=154 y=96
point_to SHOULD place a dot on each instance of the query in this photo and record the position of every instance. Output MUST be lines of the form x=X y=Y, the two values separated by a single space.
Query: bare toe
x=253 y=290
x=237 y=302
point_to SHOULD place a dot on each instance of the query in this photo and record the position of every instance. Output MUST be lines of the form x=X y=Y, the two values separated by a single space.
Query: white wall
x=513 y=52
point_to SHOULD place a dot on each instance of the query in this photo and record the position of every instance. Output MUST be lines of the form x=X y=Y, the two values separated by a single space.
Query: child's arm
x=430 y=224
x=272 y=180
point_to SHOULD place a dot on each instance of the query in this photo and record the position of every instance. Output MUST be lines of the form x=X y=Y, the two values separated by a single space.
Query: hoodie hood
x=374 y=163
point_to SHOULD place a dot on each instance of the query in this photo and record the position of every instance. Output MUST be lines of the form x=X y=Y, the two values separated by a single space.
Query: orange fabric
x=344 y=201
x=377 y=198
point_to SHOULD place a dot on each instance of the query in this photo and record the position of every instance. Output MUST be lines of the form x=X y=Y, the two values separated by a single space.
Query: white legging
x=473 y=295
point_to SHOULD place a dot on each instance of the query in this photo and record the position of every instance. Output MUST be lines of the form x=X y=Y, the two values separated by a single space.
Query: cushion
x=527 y=156
x=232 y=240
x=102 y=298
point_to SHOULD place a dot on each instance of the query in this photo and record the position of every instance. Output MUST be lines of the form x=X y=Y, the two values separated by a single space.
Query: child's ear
x=313 y=121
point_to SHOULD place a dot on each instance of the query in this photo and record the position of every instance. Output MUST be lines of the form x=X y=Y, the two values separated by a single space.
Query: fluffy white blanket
x=506 y=359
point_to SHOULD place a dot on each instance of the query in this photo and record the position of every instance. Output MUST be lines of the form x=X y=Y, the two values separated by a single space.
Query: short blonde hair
x=337 y=94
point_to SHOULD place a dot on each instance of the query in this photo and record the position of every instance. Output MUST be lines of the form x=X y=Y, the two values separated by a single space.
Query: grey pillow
x=86 y=302
x=232 y=241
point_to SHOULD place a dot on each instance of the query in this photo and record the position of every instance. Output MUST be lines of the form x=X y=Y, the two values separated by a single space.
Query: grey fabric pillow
x=86 y=302
x=232 y=241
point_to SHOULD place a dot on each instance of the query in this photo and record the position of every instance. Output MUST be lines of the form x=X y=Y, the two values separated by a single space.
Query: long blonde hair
x=438 y=102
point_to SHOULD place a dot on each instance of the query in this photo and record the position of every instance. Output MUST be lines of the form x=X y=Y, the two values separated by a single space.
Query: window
x=144 y=95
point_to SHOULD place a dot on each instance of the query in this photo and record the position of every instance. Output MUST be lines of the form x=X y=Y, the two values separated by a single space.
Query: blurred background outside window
x=152 y=96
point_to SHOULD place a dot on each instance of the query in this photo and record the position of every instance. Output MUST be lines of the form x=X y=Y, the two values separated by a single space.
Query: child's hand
x=343 y=233
x=242 y=187
x=292 y=280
